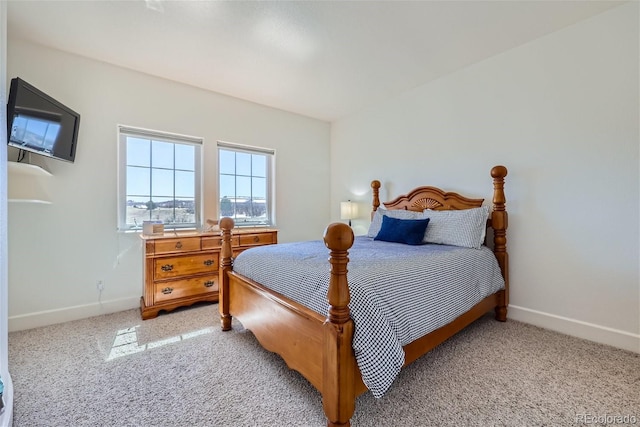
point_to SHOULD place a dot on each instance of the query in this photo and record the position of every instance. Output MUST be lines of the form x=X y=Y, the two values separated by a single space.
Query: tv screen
x=39 y=124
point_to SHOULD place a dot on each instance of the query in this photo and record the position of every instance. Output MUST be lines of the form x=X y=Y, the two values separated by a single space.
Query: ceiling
x=322 y=59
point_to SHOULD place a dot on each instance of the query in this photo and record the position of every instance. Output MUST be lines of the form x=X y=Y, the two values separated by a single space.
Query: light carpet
x=181 y=370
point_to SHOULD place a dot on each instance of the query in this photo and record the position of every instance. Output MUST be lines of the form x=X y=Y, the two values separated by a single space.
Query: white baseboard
x=577 y=328
x=50 y=317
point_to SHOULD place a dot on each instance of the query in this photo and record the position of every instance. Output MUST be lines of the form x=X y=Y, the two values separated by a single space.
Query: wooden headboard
x=423 y=198
x=426 y=197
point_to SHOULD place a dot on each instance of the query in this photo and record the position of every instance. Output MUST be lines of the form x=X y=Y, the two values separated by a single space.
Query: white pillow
x=466 y=227
x=376 y=222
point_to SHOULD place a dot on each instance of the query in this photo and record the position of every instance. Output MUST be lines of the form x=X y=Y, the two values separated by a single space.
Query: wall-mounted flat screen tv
x=39 y=124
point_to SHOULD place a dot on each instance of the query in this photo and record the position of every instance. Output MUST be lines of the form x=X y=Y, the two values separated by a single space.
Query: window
x=246 y=174
x=159 y=179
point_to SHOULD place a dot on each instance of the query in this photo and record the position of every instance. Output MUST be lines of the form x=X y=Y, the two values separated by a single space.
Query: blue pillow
x=409 y=231
x=376 y=221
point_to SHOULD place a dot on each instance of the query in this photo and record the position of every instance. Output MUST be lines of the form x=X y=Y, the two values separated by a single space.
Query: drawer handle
x=209 y=283
x=256 y=239
x=179 y=245
x=167 y=267
x=167 y=291
x=208 y=262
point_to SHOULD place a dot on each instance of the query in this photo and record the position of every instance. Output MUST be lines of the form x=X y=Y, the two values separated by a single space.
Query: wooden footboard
x=320 y=347
x=281 y=326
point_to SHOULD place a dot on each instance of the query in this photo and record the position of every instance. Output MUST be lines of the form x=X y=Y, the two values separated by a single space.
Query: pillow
x=376 y=222
x=465 y=227
x=409 y=231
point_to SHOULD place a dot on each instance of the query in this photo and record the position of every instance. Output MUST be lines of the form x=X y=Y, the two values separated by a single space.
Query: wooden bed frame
x=319 y=347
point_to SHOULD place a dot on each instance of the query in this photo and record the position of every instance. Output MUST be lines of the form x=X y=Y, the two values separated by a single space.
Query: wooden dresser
x=183 y=268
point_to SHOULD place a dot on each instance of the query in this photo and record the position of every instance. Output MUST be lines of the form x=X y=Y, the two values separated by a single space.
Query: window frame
x=270 y=180
x=123 y=132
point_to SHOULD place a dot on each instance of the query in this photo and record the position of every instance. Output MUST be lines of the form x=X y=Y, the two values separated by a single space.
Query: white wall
x=57 y=252
x=562 y=114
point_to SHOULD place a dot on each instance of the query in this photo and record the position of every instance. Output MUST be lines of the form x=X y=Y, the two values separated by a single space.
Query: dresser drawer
x=169 y=267
x=257 y=239
x=216 y=242
x=185 y=244
x=166 y=291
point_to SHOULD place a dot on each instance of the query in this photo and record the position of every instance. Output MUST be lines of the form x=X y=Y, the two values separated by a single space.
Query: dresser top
x=214 y=233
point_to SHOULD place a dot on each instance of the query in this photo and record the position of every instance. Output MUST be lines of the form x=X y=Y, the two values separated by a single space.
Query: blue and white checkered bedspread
x=398 y=292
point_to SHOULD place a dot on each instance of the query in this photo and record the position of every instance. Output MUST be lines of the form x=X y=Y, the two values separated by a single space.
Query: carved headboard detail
x=426 y=203
x=423 y=198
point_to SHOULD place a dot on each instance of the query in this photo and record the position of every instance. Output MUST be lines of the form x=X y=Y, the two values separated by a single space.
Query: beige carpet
x=181 y=370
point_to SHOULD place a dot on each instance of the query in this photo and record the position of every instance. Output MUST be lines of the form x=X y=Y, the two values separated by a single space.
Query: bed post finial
x=499 y=223
x=375 y=185
x=338 y=385
x=338 y=238
x=226 y=254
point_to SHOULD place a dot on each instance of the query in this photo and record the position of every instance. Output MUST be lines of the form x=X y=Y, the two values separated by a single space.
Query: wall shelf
x=42 y=202
x=25 y=183
x=26 y=169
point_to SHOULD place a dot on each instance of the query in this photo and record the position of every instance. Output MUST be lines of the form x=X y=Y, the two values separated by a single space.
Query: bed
x=322 y=342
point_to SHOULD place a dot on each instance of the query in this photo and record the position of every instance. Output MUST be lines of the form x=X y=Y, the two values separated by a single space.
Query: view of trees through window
x=244 y=177
x=159 y=179
x=160 y=182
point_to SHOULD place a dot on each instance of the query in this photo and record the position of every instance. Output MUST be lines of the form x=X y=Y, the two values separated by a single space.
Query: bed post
x=499 y=223
x=375 y=185
x=339 y=366
x=226 y=254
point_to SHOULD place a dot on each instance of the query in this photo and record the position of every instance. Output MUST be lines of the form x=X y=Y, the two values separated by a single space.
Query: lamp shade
x=348 y=210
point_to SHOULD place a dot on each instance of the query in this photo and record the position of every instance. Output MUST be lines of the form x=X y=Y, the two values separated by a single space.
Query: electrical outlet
x=100 y=285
